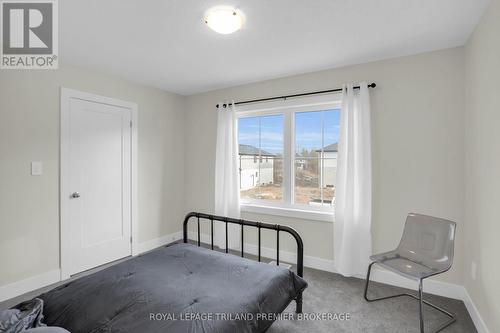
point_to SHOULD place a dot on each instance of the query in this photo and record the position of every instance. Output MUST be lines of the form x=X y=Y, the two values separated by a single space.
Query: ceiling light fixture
x=224 y=20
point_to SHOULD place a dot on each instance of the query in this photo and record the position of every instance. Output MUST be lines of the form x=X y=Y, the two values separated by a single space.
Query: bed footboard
x=259 y=226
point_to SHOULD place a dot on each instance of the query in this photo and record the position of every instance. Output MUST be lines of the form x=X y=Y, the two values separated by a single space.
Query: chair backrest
x=428 y=240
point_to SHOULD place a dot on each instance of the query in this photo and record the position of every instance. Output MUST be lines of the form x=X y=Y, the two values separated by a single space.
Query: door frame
x=65 y=231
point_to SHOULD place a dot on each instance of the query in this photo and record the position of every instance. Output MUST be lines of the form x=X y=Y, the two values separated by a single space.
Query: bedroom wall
x=418 y=144
x=483 y=167
x=29 y=131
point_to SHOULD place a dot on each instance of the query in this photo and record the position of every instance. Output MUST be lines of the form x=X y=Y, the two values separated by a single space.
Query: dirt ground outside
x=303 y=195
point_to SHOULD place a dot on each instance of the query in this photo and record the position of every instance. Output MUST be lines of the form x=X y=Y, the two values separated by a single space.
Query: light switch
x=36 y=168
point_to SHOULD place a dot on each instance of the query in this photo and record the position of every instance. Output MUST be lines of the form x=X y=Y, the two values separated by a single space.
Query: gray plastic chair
x=426 y=249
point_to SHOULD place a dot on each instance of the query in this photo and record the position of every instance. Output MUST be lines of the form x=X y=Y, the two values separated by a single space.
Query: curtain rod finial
x=372 y=85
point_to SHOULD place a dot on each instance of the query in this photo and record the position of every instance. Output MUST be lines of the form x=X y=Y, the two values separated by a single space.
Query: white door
x=99 y=183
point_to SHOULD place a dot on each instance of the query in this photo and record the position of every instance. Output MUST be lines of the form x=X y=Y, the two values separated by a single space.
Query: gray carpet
x=334 y=294
x=328 y=292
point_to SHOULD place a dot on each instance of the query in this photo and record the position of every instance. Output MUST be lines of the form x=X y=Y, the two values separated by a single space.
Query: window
x=261 y=139
x=315 y=161
x=288 y=158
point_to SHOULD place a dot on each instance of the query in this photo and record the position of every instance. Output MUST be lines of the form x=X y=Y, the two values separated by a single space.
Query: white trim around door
x=65 y=235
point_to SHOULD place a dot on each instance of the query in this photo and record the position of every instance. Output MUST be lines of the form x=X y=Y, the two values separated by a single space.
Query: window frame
x=288 y=109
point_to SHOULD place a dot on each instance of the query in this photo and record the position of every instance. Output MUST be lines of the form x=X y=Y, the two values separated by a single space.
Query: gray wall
x=29 y=131
x=483 y=167
x=418 y=143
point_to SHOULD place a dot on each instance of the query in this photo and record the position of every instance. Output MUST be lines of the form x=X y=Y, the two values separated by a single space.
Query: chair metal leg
x=380 y=298
x=419 y=298
x=420 y=305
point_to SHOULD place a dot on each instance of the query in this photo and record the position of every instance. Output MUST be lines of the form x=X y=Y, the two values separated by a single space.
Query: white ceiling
x=165 y=43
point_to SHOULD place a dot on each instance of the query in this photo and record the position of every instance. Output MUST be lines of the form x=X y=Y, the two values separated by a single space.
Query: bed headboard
x=258 y=225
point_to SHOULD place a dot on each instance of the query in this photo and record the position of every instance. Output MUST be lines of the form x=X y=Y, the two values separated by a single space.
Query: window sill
x=315 y=215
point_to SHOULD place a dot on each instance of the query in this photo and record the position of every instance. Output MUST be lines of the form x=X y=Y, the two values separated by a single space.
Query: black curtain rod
x=371 y=85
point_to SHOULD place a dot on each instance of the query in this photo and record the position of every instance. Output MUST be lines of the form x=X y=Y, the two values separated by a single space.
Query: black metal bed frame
x=259 y=226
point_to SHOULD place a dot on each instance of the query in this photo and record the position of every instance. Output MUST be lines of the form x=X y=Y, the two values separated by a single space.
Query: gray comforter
x=179 y=288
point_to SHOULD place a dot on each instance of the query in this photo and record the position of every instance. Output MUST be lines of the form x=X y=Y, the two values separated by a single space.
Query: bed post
x=298 y=300
x=185 y=226
x=300 y=268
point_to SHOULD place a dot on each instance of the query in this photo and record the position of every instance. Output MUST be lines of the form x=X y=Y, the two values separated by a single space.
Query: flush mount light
x=224 y=20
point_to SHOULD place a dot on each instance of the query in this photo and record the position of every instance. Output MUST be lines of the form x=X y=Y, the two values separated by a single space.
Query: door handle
x=75 y=195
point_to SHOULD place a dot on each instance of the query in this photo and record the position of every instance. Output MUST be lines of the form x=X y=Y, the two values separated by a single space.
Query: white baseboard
x=193 y=236
x=291 y=258
x=435 y=287
x=431 y=286
x=42 y=280
x=156 y=242
x=285 y=256
x=378 y=274
x=474 y=313
x=21 y=287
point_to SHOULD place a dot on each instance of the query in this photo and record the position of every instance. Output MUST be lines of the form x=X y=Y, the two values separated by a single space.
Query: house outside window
x=288 y=157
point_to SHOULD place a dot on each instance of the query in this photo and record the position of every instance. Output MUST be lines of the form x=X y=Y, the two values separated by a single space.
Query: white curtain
x=353 y=193
x=227 y=196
